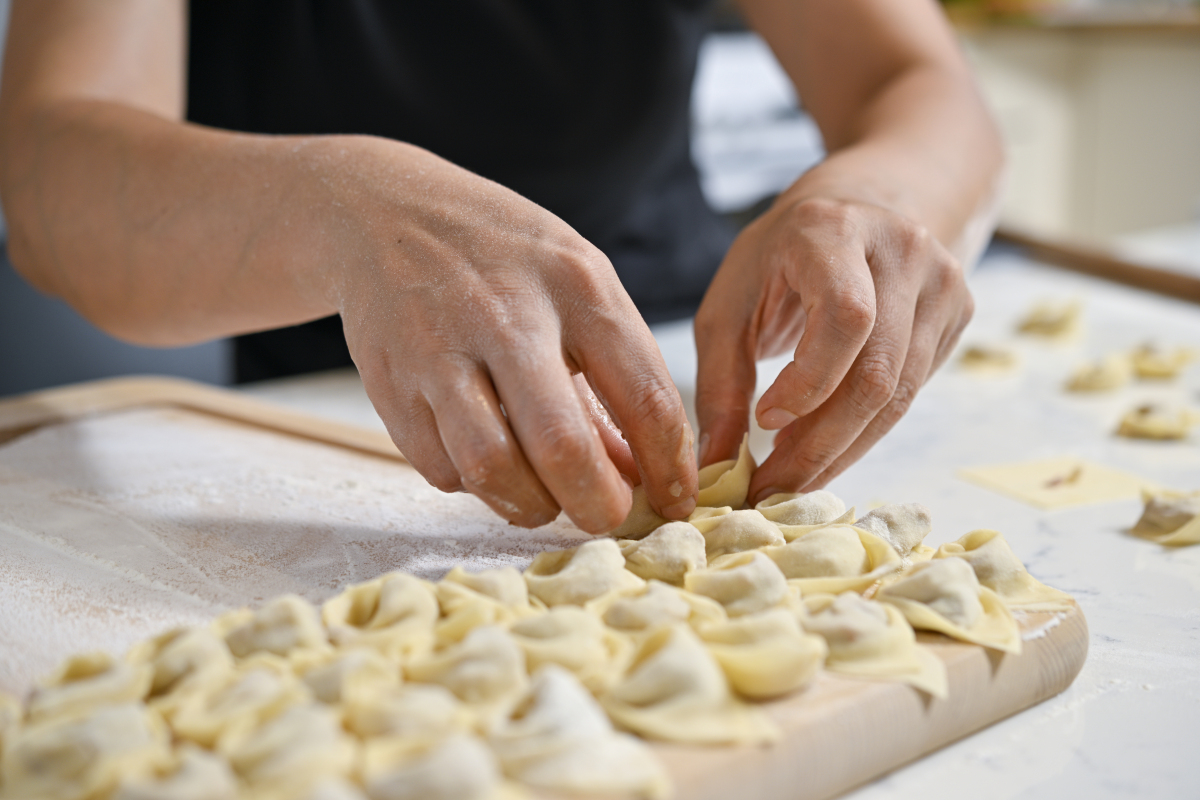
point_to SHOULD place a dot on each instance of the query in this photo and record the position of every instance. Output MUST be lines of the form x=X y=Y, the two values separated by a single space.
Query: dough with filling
x=764 y=655
x=1052 y=320
x=987 y=358
x=660 y=604
x=192 y=774
x=667 y=554
x=872 y=640
x=464 y=609
x=1170 y=518
x=735 y=531
x=86 y=682
x=1109 y=373
x=1153 y=421
x=744 y=583
x=422 y=711
x=560 y=740
x=726 y=483
x=506 y=586
x=577 y=641
x=486 y=670
x=287 y=623
x=460 y=767
x=902 y=525
x=805 y=508
x=944 y=595
x=675 y=691
x=11 y=714
x=998 y=568
x=181 y=656
x=258 y=690
x=834 y=558
x=293 y=749
x=342 y=675
x=1155 y=363
x=394 y=614
x=576 y=576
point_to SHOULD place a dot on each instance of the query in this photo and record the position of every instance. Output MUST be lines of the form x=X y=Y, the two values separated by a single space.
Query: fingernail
x=765 y=493
x=705 y=442
x=628 y=480
x=680 y=510
x=776 y=418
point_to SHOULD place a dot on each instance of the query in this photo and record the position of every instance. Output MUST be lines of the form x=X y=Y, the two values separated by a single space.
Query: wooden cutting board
x=839 y=733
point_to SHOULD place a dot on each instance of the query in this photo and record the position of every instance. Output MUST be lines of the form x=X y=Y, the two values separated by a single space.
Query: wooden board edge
x=28 y=412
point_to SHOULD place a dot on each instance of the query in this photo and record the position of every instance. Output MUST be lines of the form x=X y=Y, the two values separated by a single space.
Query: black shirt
x=579 y=105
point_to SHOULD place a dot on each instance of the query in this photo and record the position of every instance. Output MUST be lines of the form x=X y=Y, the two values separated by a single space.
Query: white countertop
x=1128 y=726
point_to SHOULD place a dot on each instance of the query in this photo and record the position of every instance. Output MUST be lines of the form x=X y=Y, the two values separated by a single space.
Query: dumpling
x=70 y=758
x=576 y=576
x=902 y=525
x=1053 y=320
x=181 y=656
x=295 y=748
x=285 y=624
x=332 y=788
x=560 y=740
x=193 y=774
x=764 y=655
x=505 y=585
x=834 y=558
x=1111 y=372
x=576 y=640
x=486 y=670
x=676 y=691
x=667 y=554
x=1170 y=518
x=259 y=690
x=86 y=682
x=1155 y=363
x=872 y=640
x=339 y=676
x=1154 y=421
x=659 y=605
x=944 y=595
x=744 y=583
x=998 y=568
x=394 y=614
x=735 y=531
x=726 y=483
x=470 y=601
x=459 y=767
x=806 y=508
x=987 y=358
x=423 y=711
x=11 y=715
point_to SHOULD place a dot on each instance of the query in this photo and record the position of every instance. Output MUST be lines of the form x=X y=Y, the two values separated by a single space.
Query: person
x=467 y=184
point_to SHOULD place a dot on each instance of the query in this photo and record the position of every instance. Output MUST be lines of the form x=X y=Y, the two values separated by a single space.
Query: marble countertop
x=1127 y=726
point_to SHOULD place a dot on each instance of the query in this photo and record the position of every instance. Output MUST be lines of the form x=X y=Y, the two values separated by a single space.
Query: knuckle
x=483 y=463
x=653 y=403
x=851 y=314
x=561 y=444
x=835 y=217
x=811 y=458
x=902 y=400
x=872 y=385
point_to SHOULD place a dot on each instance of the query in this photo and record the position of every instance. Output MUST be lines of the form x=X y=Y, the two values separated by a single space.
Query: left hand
x=872 y=304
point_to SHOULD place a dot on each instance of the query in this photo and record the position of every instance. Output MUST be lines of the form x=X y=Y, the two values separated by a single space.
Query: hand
x=872 y=304
x=495 y=343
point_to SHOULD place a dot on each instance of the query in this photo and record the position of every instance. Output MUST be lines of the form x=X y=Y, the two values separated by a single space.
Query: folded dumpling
x=472 y=600
x=744 y=583
x=998 y=568
x=658 y=605
x=1153 y=362
x=181 y=656
x=422 y=711
x=505 y=585
x=1051 y=319
x=1109 y=373
x=577 y=641
x=902 y=525
x=867 y=639
x=560 y=740
x=728 y=531
x=726 y=483
x=258 y=690
x=295 y=748
x=1153 y=421
x=944 y=595
x=676 y=691
x=667 y=554
x=285 y=624
x=12 y=712
x=192 y=774
x=805 y=508
x=341 y=675
x=486 y=670
x=764 y=655
x=394 y=613
x=581 y=574
x=460 y=767
x=835 y=558
x=89 y=681
x=1170 y=518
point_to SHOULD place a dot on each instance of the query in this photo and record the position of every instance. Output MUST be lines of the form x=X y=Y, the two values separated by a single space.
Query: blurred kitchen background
x=1098 y=101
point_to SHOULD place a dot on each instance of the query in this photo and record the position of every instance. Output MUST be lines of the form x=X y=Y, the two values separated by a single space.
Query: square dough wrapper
x=1058 y=482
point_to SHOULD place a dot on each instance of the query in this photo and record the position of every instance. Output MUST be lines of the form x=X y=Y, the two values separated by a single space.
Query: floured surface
x=121 y=526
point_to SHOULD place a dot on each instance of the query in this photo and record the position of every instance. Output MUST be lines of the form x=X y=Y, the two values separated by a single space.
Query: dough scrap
x=394 y=613
x=560 y=739
x=486 y=670
x=660 y=604
x=872 y=640
x=944 y=595
x=192 y=774
x=1109 y=373
x=735 y=531
x=86 y=682
x=1053 y=320
x=998 y=568
x=1154 y=421
x=764 y=655
x=418 y=711
x=581 y=574
x=727 y=483
x=804 y=508
x=675 y=691
x=576 y=640
x=834 y=558
x=1170 y=518
x=667 y=554
x=743 y=583
x=460 y=767
x=902 y=525
x=1153 y=363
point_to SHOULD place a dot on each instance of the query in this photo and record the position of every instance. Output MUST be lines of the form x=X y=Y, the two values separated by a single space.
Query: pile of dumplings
x=494 y=684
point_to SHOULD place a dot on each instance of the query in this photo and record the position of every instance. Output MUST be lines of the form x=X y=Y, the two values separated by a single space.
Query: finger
x=480 y=444
x=725 y=378
x=411 y=424
x=614 y=441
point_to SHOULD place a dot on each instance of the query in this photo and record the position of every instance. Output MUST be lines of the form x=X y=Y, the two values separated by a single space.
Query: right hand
x=482 y=325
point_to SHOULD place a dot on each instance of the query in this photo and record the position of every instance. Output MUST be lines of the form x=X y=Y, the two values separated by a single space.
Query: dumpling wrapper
x=66 y=758
x=193 y=774
x=944 y=595
x=560 y=740
x=735 y=531
x=486 y=670
x=460 y=767
x=998 y=568
x=902 y=525
x=1157 y=422
x=726 y=483
x=576 y=640
x=181 y=656
x=86 y=682
x=1109 y=373
x=667 y=554
x=675 y=691
x=834 y=558
x=1170 y=518
x=764 y=655
x=261 y=688
x=293 y=749
x=872 y=640
x=743 y=583
x=285 y=624
x=1158 y=364
x=342 y=675
x=581 y=574
x=658 y=605
x=422 y=711
x=805 y=508
x=394 y=614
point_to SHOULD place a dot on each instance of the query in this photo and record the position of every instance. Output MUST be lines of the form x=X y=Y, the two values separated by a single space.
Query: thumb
x=725 y=382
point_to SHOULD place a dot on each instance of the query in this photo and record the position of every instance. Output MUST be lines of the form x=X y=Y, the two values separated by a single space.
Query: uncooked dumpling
x=987 y=358
x=1156 y=363
x=576 y=640
x=727 y=483
x=1052 y=320
x=736 y=531
x=676 y=691
x=261 y=689
x=581 y=574
x=834 y=558
x=658 y=605
x=560 y=740
x=641 y=519
x=1154 y=421
x=872 y=640
x=506 y=585
x=181 y=656
x=469 y=601
x=193 y=774
x=423 y=711
x=295 y=748
x=395 y=614
x=764 y=655
x=287 y=623
x=86 y=682
x=1170 y=518
x=944 y=595
x=1109 y=373
x=805 y=508
x=486 y=670
x=460 y=767
x=11 y=714
x=902 y=525
x=744 y=583
x=998 y=568
x=667 y=554
x=342 y=675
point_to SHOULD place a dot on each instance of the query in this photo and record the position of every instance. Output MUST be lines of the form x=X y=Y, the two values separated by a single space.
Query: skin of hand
x=848 y=269
x=497 y=345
